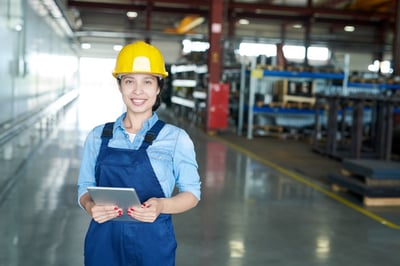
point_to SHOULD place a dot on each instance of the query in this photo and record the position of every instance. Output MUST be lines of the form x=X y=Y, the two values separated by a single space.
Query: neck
x=134 y=122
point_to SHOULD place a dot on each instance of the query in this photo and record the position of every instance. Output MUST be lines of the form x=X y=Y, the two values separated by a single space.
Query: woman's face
x=139 y=92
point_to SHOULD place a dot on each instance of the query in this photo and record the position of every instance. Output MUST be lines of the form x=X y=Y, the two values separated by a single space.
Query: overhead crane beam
x=112 y=7
x=202 y=8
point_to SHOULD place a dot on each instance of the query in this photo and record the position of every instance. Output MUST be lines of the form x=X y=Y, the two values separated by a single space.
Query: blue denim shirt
x=172 y=156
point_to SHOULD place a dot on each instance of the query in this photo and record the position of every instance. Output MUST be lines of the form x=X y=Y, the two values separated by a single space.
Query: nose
x=136 y=89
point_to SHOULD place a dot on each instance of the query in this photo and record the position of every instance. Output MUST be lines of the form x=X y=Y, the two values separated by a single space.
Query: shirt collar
x=146 y=125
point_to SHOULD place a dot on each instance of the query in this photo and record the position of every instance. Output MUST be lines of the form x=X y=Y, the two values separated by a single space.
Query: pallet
x=380 y=202
x=269 y=128
x=269 y=131
x=301 y=101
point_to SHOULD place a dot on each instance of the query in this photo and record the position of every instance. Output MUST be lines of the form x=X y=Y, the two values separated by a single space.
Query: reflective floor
x=251 y=212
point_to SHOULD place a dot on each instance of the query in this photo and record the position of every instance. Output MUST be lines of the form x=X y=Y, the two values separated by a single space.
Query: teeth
x=137 y=100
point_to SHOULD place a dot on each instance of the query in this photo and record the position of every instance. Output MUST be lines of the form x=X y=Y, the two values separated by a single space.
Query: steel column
x=396 y=40
x=214 y=55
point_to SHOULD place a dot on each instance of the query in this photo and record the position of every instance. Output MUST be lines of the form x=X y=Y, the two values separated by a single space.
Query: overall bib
x=124 y=243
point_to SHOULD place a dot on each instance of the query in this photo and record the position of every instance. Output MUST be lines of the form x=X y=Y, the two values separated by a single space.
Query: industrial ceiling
x=104 y=22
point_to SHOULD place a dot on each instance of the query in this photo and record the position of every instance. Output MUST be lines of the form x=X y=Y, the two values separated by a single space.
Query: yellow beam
x=188 y=23
x=372 y=5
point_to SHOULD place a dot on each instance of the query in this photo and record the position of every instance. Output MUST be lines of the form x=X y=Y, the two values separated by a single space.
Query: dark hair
x=160 y=83
x=157 y=104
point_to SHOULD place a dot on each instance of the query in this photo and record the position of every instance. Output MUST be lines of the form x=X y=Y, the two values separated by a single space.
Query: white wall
x=171 y=50
x=358 y=61
x=37 y=64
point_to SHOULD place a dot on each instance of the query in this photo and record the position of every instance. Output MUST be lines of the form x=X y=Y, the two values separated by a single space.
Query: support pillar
x=215 y=33
x=149 y=9
x=396 y=40
x=218 y=93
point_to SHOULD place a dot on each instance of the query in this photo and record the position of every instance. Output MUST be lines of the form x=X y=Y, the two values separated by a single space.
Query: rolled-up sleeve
x=185 y=165
x=86 y=176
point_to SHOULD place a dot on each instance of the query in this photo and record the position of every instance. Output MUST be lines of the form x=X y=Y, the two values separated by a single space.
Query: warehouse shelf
x=183 y=101
x=269 y=86
x=381 y=86
x=191 y=90
x=283 y=110
x=189 y=83
x=295 y=74
x=256 y=76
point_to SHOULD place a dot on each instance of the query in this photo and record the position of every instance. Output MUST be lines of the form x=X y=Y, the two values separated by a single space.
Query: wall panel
x=37 y=63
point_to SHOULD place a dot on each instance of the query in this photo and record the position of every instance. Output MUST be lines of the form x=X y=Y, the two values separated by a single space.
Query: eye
x=127 y=81
x=148 y=82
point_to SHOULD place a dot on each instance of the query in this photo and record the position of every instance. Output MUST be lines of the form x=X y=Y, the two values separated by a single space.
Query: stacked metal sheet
x=377 y=181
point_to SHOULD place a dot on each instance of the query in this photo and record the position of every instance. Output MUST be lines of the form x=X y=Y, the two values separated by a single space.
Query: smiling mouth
x=138 y=101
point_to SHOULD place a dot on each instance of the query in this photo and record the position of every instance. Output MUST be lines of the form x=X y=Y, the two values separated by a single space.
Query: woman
x=138 y=150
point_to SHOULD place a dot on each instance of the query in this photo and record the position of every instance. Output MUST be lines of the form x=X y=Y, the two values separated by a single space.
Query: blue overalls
x=130 y=243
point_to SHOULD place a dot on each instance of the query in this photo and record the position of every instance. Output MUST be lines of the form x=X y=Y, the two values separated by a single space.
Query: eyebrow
x=146 y=77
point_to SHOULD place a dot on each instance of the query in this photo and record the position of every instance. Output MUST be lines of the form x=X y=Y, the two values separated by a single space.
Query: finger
x=101 y=218
x=150 y=202
x=102 y=213
x=142 y=214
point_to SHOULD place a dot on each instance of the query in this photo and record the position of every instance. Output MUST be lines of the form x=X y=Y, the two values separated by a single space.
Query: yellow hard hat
x=140 y=57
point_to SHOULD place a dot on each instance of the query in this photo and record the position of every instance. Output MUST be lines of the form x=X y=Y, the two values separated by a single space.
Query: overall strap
x=152 y=134
x=107 y=134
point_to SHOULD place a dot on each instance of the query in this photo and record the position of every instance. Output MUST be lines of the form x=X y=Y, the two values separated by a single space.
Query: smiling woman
x=142 y=152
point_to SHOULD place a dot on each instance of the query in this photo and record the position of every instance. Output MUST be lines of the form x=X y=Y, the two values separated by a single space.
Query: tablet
x=124 y=198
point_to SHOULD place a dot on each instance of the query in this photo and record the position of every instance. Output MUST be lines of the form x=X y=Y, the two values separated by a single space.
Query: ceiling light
x=18 y=27
x=117 y=47
x=244 y=21
x=297 y=26
x=349 y=28
x=86 y=46
x=131 y=14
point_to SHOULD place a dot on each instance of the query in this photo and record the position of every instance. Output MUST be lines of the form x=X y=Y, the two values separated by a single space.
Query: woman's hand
x=151 y=209
x=100 y=213
x=104 y=213
x=148 y=211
